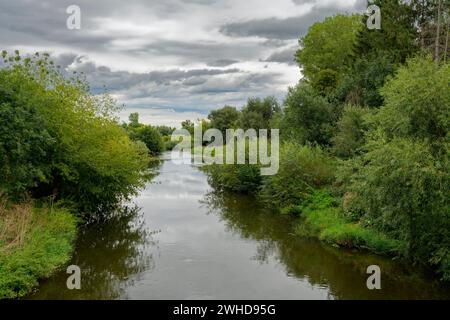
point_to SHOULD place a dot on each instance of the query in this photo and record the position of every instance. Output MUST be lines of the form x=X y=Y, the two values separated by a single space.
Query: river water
x=182 y=240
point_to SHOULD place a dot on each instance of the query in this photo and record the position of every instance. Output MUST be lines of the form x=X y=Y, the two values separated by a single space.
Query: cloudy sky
x=171 y=59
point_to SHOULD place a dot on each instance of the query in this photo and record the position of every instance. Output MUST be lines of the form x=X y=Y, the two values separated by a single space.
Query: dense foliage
x=365 y=158
x=149 y=135
x=58 y=140
x=324 y=50
x=302 y=170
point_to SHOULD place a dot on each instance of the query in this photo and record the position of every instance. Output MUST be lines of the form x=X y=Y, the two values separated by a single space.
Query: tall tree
x=324 y=50
x=224 y=118
x=397 y=36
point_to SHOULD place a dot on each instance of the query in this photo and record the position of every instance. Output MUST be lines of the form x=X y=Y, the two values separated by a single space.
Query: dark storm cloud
x=283 y=56
x=100 y=76
x=288 y=28
x=203 y=51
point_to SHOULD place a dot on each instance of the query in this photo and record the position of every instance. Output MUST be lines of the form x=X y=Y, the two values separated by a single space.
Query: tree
x=361 y=85
x=433 y=18
x=149 y=135
x=189 y=126
x=351 y=129
x=397 y=37
x=165 y=131
x=307 y=116
x=417 y=102
x=258 y=113
x=58 y=140
x=134 y=119
x=224 y=118
x=400 y=185
x=325 y=49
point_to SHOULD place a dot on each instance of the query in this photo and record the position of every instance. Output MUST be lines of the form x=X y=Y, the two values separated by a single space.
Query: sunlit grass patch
x=322 y=217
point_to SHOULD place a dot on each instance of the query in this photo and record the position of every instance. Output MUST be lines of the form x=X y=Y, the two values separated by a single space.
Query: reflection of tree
x=343 y=272
x=111 y=253
x=153 y=167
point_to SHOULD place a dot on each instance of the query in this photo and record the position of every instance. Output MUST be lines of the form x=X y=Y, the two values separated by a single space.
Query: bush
x=361 y=85
x=57 y=139
x=401 y=185
x=401 y=189
x=152 y=139
x=302 y=169
x=244 y=178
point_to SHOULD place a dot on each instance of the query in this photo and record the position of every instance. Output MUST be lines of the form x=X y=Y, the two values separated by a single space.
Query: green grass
x=321 y=217
x=47 y=244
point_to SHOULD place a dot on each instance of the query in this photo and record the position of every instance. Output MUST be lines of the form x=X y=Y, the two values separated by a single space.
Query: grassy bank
x=323 y=217
x=34 y=242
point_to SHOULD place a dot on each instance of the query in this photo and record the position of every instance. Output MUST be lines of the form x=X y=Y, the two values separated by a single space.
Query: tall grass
x=34 y=242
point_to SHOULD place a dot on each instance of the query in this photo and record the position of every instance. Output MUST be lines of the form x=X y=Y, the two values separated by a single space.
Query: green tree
x=351 y=129
x=400 y=186
x=307 y=116
x=258 y=113
x=224 y=118
x=67 y=146
x=397 y=37
x=189 y=126
x=417 y=102
x=165 y=131
x=134 y=119
x=151 y=137
x=361 y=84
x=326 y=49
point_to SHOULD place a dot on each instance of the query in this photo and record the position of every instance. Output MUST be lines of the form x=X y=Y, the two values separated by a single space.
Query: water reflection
x=112 y=254
x=342 y=272
x=190 y=242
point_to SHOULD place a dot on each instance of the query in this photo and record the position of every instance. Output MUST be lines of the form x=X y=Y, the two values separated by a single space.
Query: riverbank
x=34 y=243
x=322 y=217
x=183 y=239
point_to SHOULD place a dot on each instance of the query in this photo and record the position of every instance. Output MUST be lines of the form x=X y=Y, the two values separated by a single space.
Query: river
x=182 y=240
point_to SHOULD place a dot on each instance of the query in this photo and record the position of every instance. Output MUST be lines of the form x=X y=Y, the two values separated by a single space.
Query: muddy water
x=183 y=240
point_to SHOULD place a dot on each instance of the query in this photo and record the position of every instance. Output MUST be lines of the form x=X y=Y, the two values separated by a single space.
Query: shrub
x=401 y=189
x=401 y=185
x=258 y=113
x=244 y=178
x=302 y=169
x=148 y=134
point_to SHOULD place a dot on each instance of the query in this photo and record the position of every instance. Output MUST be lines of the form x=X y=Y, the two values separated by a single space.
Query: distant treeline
x=156 y=138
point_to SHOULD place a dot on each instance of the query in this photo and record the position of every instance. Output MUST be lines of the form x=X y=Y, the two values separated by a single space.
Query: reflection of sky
x=198 y=256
